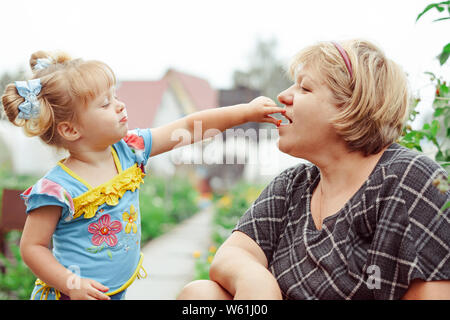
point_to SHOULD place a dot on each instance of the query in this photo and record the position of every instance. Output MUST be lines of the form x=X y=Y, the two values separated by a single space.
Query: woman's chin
x=288 y=147
x=283 y=146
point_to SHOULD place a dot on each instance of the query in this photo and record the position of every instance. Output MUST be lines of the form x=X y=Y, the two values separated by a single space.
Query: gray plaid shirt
x=390 y=232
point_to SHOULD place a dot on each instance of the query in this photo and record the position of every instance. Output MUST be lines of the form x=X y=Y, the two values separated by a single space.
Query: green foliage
x=202 y=264
x=17 y=282
x=228 y=208
x=438 y=130
x=164 y=204
x=441 y=8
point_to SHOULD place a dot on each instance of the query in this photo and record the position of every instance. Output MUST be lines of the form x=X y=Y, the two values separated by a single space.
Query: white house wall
x=168 y=111
x=28 y=155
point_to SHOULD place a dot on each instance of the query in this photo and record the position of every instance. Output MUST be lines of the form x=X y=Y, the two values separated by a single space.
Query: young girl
x=89 y=202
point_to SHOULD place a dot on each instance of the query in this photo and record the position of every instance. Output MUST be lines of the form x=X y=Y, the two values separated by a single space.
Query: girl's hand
x=88 y=289
x=259 y=110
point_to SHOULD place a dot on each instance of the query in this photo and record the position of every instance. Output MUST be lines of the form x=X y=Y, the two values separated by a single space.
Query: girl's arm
x=240 y=266
x=204 y=124
x=37 y=232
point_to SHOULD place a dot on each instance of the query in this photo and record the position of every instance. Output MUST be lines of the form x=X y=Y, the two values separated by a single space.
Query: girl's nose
x=285 y=97
x=120 y=106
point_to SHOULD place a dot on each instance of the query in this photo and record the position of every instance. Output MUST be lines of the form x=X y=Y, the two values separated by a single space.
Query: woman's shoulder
x=301 y=174
x=412 y=167
x=293 y=181
x=409 y=177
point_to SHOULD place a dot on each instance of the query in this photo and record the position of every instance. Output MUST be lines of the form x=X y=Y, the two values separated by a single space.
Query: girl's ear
x=68 y=131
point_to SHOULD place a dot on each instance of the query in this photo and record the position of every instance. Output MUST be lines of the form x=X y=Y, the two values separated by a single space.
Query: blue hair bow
x=29 y=90
x=42 y=63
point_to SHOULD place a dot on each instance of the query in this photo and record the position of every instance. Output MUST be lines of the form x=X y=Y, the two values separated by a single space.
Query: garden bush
x=228 y=208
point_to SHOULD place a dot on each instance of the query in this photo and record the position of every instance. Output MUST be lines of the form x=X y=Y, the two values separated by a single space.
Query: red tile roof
x=143 y=98
x=199 y=90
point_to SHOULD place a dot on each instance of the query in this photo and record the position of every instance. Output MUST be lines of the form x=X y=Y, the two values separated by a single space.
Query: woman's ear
x=68 y=131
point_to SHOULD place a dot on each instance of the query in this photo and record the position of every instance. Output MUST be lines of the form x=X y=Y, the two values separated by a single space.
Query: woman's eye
x=305 y=89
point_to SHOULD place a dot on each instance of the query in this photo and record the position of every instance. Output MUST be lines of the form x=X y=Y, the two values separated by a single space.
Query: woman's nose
x=285 y=97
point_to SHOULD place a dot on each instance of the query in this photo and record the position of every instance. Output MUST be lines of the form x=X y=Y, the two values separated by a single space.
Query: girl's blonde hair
x=372 y=103
x=67 y=85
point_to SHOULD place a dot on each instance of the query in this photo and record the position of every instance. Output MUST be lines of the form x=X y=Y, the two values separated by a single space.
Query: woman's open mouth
x=289 y=121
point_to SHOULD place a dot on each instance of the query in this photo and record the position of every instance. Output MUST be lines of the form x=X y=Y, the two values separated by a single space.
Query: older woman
x=363 y=220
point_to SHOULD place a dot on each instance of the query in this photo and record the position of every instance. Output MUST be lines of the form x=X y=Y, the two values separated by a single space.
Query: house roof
x=197 y=89
x=143 y=98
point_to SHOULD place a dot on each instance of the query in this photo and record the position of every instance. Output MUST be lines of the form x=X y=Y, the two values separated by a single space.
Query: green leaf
x=447 y=46
x=431 y=74
x=93 y=249
x=444 y=89
x=434 y=127
x=427 y=8
x=108 y=252
x=431 y=6
x=446 y=206
x=440 y=19
x=438 y=112
x=443 y=57
x=439 y=156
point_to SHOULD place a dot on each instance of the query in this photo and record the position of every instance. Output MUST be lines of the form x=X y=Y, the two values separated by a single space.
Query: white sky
x=211 y=38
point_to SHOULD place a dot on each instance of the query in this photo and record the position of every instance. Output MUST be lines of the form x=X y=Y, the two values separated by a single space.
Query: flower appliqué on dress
x=130 y=219
x=104 y=230
x=136 y=143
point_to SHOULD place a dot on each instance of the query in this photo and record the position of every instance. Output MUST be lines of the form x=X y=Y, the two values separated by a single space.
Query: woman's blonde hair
x=372 y=102
x=67 y=84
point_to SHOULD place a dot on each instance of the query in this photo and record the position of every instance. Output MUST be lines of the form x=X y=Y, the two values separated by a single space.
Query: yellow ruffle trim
x=109 y=193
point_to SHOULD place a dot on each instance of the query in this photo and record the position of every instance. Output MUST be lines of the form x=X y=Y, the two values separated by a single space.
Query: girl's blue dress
x=98 y=233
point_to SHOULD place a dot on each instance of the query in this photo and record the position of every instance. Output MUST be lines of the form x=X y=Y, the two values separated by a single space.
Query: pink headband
x=345 y=57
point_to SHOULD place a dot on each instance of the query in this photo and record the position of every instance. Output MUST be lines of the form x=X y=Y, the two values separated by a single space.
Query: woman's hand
x=260 y=108
x=88 y=289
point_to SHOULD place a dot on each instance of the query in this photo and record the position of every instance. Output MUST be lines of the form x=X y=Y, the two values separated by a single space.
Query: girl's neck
x=89 y=157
